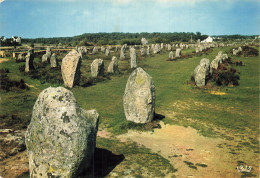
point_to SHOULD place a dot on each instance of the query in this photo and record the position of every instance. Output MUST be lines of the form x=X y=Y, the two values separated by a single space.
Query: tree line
x=88 y=39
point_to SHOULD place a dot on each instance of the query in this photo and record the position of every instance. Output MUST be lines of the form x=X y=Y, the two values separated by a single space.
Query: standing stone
x=116 y=49
x=107 y=53
x=113 y=65
x=139 y=97
x=169 y=47
x=178 y=52
x=95 y=50
x=201 y=72
x=97 y=68
x=122 y=53
x=197 y=50
x=21 y=57
x=240 y=49
x=133 y=59
x=103 y=49
x=54 y=62
x=48 y=54
x=148 y=50
x=171 y=55
x=142 y=52
x=70 y=69
x=161 y=45
x=29 y=61
x=61 y=137
x=44 y=58
x=156 y=49
x=152 y=47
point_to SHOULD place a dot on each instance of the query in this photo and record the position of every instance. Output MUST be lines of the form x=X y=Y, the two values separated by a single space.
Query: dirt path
x=14 y=165
x=179 y=144
x=3 y=60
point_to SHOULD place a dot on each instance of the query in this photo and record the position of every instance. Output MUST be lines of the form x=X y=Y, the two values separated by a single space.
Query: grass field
x=230 y=113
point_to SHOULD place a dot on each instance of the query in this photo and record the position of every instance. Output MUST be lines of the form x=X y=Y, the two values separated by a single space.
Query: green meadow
x=227 y=112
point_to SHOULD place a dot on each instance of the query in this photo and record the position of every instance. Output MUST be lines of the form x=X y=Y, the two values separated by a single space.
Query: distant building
x=144 y=41
x=3 y=39
x=17 y=39
x=208 y=40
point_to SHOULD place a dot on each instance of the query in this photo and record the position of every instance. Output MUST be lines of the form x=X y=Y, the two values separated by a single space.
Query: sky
x=64 y=18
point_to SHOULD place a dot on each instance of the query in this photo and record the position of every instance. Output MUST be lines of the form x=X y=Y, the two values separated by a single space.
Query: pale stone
x=54 y=62
x=133 y=58
x=61 y=137
x=139 y=97
x=70 y=69
x=29 y=61
x=171 y=55
x=113 y=65
x=178 y=52
x=107 y=53
x=142 y=52
x=97 y=68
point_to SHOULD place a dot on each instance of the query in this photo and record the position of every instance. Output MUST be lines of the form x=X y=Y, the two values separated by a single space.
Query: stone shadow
x=158 y=117
x=103 y=162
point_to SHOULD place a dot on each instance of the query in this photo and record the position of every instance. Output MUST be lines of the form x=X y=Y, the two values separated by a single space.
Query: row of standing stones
x=61 y=137
x=156 y=48
x=205 y=69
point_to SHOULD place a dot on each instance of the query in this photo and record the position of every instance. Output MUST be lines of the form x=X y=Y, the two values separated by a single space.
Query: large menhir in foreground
x=61 y=137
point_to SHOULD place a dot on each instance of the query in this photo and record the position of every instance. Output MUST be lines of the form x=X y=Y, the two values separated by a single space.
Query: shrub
x=226 y=75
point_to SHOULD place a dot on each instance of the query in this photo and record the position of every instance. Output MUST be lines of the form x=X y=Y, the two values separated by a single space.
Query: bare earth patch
x=179 y=144
x=3 y=60
x=15 y=165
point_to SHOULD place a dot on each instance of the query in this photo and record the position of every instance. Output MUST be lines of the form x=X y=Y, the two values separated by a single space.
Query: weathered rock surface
x=70 y=69
x=95 y=50
x=142 y=51
x=107 y=53
x=133 y=59
x=156 y=49
x=148 y=50
x=122 y=52
x=178 y=52
x=139 y=97
x=29 y=61
x=61 y=137
x=97 y=68
x=54 y=62
x=113 y=65
x=21 y=57
x=171 y=55
x=201 y=72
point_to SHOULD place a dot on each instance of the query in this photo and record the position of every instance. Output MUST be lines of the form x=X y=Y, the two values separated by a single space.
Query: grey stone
x=201 y=72
x=54 y=62
x=142 y=52
x=21 y=57
x=95 y=50
x=107 y=53
x=139 y=97
x=178 y=52
x=70 y=69
x=122 y=52
x=29 y=61
x=61 y=137
x=97 y=68
x=103 y=49
x=156 y=49
x=171 y=55
x=148 y=50
x=133 y=59
x=113 y=65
